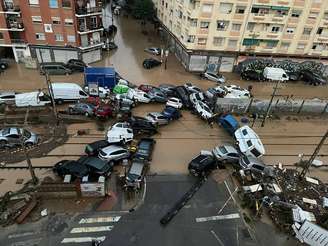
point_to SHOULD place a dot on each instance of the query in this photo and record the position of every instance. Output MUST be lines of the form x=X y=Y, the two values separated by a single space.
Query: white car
x=203 y=110
x=195 y=97
x=140 y=96
x=215 y=92
x=235 y=91
x=218 y=78
x=174 y=102
x=157 y=118
x=153 y=50
x=113 y=153
x=120 y=133
x=103 y=91
x=7 y=97
x=226 y=153
x=192 y=88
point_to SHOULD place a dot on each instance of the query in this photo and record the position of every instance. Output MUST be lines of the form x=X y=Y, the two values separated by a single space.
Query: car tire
x=70 y=111
x=3 y=66
x=86 y=114
x=28 y=145
x=59 y=101
x=3 y=142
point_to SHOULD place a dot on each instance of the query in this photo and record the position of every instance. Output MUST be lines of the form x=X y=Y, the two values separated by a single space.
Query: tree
x=143 y=9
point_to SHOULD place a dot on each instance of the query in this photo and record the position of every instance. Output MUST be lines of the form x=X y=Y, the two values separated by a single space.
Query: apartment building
x=51 y=30
x=225 y=31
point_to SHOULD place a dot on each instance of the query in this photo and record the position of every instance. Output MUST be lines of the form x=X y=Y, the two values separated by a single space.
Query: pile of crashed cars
x=312 y=73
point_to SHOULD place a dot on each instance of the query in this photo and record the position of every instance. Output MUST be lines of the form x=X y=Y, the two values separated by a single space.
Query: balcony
x=85 y=29
x=91 y=44
x=13 y=26
x=9 y=8
x=84 y=11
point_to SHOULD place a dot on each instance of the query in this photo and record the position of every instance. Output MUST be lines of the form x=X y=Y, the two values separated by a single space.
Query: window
x=66 y=4
x=71 y=38
x=193 y=22
x=301 y=46
x=36 y=19
x=236 y=27
x=191 y=39
x=180 y=14
x=318 y=47
x=256 y=153
x=284 y=45
x=259 y=11
x=270 y=44
x=275 y=29
x=250 y=26
x=244 y=131
x=55 y=20
x=69 y=22
x=325 y=16
x=204 y=24
x=225 y=8
x=218 y=41
x=207 y=8
x=290 y=30
x=232 y=43
x=40 y=36
x=34 y=2
x=313 y=15
x=240 y=9
x=202 y=41
x=249 y=143
x=59 y=37
x=320 y=29
x=296 y=13
x=222 y=25
x=1 y=35
x=48 y=28
x=53 y=3
x=307 y=31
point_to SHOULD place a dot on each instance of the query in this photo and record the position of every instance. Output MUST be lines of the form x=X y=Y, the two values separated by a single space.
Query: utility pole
x=51 y=93
x=270 y=103
x=314 y=155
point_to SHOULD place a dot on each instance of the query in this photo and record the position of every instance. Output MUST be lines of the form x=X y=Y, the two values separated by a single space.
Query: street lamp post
x=28 y=160
x=165 y=60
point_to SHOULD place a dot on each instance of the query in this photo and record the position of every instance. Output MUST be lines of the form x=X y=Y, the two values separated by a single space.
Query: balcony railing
x=15 y=25
x=18 y=41
x=89 y=27
x=11 y=7
x=91 y=44
x=86 y=11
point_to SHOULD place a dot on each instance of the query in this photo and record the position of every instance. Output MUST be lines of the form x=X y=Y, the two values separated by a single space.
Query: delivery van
x=68 y=92
x=273 y=73
x=33 y=99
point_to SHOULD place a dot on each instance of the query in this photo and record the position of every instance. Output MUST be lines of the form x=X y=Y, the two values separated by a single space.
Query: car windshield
x=102 y=153
x=223 y=149
x=6 y=131
x=246 y=160
x=255 y=152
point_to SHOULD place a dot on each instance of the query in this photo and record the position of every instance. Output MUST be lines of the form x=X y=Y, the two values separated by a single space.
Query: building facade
x=44 y=28
x=223 y=31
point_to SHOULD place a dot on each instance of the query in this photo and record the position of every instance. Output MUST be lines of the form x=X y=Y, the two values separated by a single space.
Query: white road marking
x=24 y=234
x=91 y=229
x=100 y=220
x=218 y=217
x=30 y=242
x=82 y=239
x=217 y=237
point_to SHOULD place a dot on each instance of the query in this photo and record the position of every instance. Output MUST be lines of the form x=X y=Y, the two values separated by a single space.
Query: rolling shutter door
x=91 y=56
x=65 y=55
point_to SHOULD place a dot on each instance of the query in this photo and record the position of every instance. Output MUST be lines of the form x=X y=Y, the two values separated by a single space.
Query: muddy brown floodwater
x=127 y=60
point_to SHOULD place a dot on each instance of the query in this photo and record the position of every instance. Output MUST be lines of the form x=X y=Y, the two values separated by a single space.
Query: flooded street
x=182 y=140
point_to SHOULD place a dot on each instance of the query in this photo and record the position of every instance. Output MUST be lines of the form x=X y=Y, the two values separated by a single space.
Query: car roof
x=99 y=144
x=7 y=93
x=92 y=161
x=112 y=148
x=136 y=167
x=155 y=114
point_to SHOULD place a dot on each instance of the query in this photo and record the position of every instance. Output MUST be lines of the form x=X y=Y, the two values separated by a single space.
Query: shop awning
x=251 y=41
x=280 y=8
x=261 y=6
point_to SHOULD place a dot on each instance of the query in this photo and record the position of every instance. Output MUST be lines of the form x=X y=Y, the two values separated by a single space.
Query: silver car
x=7 y=97
x=113 y=153
x=226 y=153
x=13 y=136
x=157 y=118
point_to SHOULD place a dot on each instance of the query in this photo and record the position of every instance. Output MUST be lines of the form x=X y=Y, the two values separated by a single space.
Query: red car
x=94 y=100
x=104 y=111
x=146 y=88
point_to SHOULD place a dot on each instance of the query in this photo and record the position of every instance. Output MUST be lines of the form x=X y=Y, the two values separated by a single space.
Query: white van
x=273 y=73
x=68 y=92
x=33 y=99
x=249 y=142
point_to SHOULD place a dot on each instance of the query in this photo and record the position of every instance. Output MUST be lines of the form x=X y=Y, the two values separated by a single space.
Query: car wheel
x=70 y=111
x=86 y=114
x=3 y=142
x=59 y=101
x=28 y=145
x=3 y=66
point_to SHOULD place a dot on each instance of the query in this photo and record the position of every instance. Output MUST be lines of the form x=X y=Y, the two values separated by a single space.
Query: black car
x=183 y=94
x=202 y=165
x=168 y=90
x=312 y=78
x=145 y=149
x=252 y=75
x=141 y=125
x=96 y=165
x=92 y=149
x=171 y=113
x=151 y=63
x=156 y=95
x=294 y=76
x=76 y=65
x=3 y=64
x=73 y=168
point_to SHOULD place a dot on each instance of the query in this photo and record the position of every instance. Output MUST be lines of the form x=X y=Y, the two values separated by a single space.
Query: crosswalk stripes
x=90 y=228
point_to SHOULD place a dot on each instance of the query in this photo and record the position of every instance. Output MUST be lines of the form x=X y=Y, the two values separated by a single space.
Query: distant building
x=223 y=31
x=43 y=28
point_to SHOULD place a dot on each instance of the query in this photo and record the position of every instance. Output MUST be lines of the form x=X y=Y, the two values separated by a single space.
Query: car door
x=14 y=139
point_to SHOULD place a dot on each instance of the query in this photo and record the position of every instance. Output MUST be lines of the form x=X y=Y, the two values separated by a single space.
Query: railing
x=18 y=41
x=90 y=27
x=15 y=25
x=85 y=10
x=11 y=7
x=91 y=43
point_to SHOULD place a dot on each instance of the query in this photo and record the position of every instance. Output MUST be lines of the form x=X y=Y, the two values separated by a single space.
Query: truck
x=273 y=73
x=33 y=99
x=100 y=76
x=68 y=92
